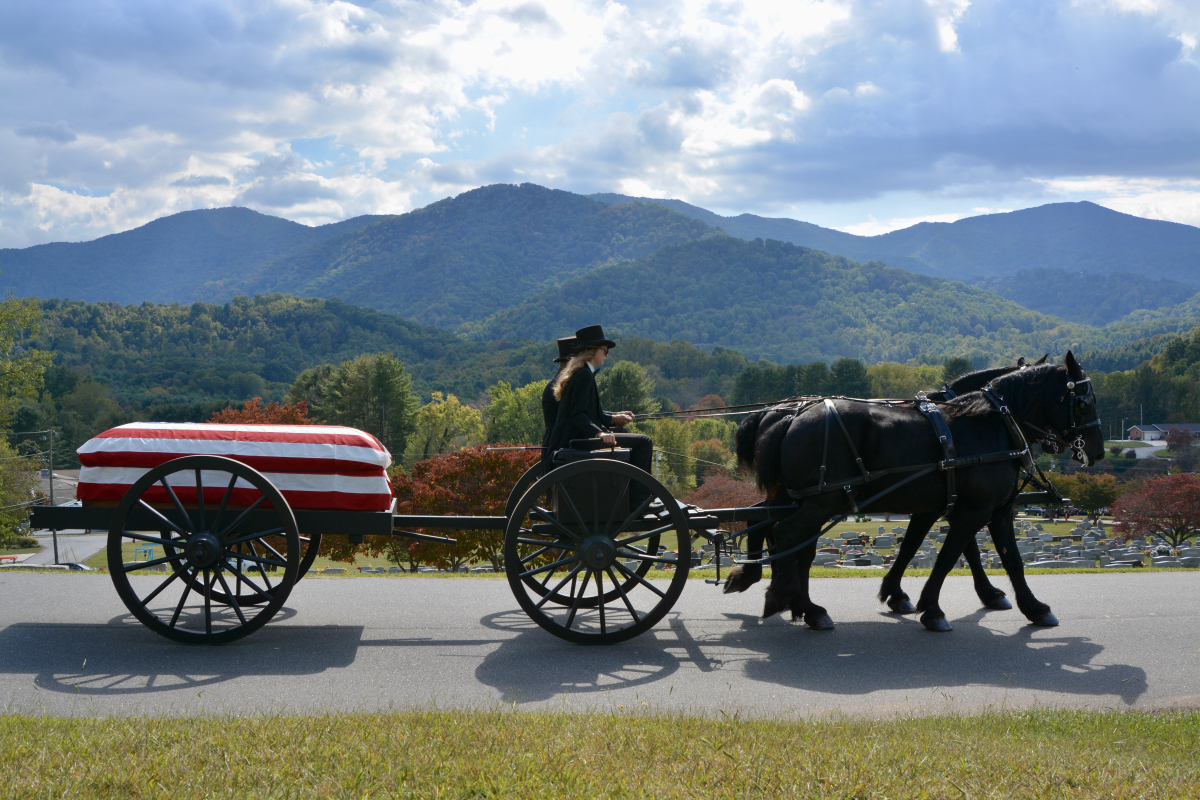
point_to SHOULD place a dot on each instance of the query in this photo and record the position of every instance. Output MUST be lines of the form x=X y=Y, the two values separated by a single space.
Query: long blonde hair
x=564 y=375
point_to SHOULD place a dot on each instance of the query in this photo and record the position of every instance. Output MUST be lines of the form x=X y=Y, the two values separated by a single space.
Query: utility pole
x=53 y=531
x=1141 y=413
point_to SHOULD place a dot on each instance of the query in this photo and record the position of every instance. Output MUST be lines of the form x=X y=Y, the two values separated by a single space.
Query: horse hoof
x=1046 y=620
x=998 y=603
x=902 y=606
x=821 y=623
x=936 y=624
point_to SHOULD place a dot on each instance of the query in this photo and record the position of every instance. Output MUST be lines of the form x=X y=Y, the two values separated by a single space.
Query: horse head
x=1057 y=403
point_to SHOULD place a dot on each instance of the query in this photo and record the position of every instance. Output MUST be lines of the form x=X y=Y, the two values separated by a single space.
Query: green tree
x=709 y=456
x=443 y=425
x=308 y=387
x=1093 y=492
x=372 y=393
x=515 y=415
x=21 y=370
x=815 y=380
x=850 y=378
x=956 y=367
x=903 y=381
x=721 y=429
x=671 y=463
x=627 y=387
x=18 y=490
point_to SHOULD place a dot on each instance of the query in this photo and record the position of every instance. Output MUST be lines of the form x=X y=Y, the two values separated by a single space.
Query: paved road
x=73 y=546
x=1127 y=641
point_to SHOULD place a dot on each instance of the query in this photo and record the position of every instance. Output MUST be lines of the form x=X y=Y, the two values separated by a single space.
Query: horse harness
x=949 y=463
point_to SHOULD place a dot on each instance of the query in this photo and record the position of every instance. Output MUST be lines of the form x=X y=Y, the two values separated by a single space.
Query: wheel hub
x=203 y=550
x=599 y=552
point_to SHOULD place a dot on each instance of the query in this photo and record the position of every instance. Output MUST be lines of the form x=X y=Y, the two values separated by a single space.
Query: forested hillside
x=157 y=354
x=166 y=260
x=792 y=304
x=1076 y=237
x=1089 y=297
x=463 y=258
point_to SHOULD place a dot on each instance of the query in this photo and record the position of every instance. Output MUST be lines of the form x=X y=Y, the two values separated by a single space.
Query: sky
x=858 y=115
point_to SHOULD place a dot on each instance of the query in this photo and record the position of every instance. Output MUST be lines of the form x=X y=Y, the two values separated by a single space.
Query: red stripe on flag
x=324 y=466
x=243 y=497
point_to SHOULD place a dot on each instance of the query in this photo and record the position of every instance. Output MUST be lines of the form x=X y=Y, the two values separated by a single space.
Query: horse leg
x=989 y=595
x=1005 y=538
x=743 y=576
x=961 y=527
x=802 y=605
x=786 y=584
x=890 y=591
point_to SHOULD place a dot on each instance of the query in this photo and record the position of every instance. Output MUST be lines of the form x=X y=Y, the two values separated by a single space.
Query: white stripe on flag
x=283 y=481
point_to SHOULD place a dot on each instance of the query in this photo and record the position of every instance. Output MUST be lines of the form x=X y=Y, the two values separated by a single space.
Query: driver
x=579 y=412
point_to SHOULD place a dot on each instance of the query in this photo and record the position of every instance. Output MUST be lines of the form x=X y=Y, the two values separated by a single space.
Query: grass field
x=627 y=753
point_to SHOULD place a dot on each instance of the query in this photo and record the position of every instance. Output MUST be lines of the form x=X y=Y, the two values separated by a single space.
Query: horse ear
x=1021 y=362
x=1073 y=368
x=1041 y=360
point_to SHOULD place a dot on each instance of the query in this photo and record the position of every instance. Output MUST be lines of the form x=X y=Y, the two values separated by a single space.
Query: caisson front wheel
x=579 y=546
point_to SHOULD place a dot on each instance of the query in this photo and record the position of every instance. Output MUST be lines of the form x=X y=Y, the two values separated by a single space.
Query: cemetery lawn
x=619 y=753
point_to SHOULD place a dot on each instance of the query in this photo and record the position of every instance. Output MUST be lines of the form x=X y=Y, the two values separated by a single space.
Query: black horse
x=743 y=577
x=1051 y=404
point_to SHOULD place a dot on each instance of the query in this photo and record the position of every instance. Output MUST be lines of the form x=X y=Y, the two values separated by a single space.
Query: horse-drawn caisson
x=238 y=512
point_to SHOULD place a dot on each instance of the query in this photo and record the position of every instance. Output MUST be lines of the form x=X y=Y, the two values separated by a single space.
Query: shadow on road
x=896 y=653
x=892 y=654
x=124 y=658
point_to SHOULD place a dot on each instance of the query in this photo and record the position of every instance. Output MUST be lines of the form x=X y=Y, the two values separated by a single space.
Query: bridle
x=1079 y=398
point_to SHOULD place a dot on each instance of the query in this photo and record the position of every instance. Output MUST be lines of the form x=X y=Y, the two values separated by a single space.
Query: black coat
x=549 y=410
x=579 y=413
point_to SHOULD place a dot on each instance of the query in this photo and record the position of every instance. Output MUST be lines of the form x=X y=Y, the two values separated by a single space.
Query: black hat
x=566 y=347
x=591 y=336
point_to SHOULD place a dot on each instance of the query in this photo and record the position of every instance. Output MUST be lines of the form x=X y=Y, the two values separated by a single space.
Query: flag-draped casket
x=314 y=466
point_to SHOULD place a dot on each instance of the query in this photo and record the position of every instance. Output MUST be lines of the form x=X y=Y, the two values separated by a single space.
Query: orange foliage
x=254 y=414
x=469 y=482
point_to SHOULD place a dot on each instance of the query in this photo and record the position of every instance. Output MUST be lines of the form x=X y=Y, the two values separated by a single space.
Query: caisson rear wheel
x=215 y=519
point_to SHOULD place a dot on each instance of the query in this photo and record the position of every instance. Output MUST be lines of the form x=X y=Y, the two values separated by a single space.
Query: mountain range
x=525 y=262
x=164 y=261
x=1075 y=237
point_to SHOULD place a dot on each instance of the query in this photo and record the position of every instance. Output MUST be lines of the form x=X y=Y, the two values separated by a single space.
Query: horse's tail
x=745 y=438
x=759 y=447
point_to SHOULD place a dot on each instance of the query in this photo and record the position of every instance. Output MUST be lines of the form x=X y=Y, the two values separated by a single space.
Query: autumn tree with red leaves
x=724 y=491
x=1169 y=506
x=254 y=414
x=474 y=481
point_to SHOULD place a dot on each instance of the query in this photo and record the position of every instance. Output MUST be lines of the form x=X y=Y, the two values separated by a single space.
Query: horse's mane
x=1018 y=387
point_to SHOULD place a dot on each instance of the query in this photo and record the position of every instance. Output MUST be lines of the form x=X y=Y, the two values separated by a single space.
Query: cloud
x=58 y=132
x=190 y=181
x=742 y=105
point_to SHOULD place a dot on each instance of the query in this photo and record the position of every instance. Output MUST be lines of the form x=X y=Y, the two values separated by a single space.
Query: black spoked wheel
x=220 y=539
x=579 y=545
